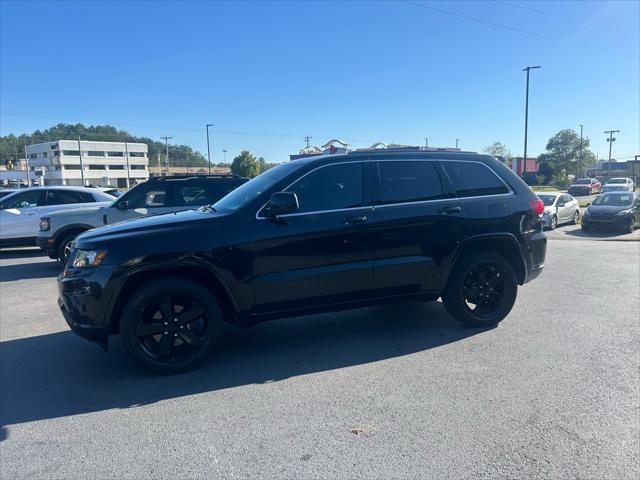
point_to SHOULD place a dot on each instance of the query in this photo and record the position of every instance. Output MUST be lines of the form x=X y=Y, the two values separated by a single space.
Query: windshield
x=614 y=200
x=617 y=180
x=249 y=191
x=547 y=199
x=583 y=181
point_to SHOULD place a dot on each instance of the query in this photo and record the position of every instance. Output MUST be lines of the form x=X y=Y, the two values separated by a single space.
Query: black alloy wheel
x=170 y=325
x=481 y=290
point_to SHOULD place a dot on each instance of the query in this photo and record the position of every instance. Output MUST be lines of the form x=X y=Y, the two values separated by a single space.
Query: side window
x=22 y=200
x=471 y=179
x=86 y=197
x=566 y=199
x=148 y=197
x=62 y=197
x=194 y=194
x=409 y=182
x=330 y=188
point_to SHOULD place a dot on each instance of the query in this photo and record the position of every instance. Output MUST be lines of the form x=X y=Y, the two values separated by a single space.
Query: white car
x=20 y=211
x=559 y=208
x=621 y=184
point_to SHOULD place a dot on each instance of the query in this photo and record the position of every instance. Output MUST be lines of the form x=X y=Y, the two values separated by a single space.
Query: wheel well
x=503 y=246
x=199 y=274
x=69 y=231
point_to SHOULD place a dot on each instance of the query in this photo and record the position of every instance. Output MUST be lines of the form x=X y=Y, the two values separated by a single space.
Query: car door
x=565 y=209
x=149 y=198
x=20 y=215
x=60 y=199
x=417 y=223
x=322 y=253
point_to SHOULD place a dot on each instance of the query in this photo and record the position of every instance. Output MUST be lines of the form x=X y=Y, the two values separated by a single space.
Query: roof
x=400 y=154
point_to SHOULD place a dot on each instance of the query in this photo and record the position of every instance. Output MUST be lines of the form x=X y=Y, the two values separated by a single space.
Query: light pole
x=224 y=152
x=166 y=143
x=457 y=141
x=580 y=155
x=208 y=149
x=611 y=139
x=526 y=119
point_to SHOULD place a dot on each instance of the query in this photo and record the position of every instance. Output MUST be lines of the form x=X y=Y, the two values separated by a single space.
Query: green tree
x=563 y=153
x=497 y=149
x=246 y=165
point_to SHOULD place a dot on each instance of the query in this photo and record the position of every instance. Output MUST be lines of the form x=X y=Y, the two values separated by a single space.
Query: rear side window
x=330 y=188
x=63 y=197
x=148 y=197
x=408 y=182
x=471 y=179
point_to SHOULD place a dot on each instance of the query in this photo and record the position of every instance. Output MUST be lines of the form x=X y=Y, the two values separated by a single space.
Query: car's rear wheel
x=170 y=325
x=481 y=289
x=576 y=217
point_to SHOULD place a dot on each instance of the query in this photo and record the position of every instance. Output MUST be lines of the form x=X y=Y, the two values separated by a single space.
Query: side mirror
x=282 y=203
x=123 y=205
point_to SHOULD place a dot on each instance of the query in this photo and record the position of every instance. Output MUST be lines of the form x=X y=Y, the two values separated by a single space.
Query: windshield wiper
x=207 y=208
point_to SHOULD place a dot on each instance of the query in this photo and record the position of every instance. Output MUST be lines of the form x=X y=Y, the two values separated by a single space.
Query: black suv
x=318 y=234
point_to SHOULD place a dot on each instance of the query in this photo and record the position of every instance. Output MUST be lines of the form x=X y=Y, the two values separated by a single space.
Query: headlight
x=88 y=258
x=45 y=224
x=586 y=213
x=621 y=213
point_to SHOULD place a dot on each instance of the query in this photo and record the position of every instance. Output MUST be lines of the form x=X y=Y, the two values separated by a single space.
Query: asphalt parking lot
x=400 y=391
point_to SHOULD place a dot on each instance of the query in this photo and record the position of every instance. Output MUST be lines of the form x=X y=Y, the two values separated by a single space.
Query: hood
x=606 y=209
x=70 y=211
x=145 y=226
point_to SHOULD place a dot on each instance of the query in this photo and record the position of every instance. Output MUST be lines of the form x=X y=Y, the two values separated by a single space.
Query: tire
x=64 y=246
x=553 y=223
x=483 y=274
x=576 y=218
x=168 y=345
x=630 y=227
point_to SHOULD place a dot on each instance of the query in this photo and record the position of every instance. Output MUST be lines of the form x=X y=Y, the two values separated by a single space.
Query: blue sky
x=269 y=73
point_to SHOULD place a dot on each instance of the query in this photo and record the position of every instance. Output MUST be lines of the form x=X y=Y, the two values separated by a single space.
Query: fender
x=67 y=228
x=521 y=268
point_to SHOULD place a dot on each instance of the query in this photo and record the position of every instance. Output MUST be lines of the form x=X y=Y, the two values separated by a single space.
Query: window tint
x=191 y=195
x=472 y=179
x=148 y=197
x=62 y=197
x=409 y=182
x=22 y=200
x=330 y=188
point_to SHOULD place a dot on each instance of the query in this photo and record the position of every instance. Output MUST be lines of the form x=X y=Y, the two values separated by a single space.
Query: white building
x=101 y=163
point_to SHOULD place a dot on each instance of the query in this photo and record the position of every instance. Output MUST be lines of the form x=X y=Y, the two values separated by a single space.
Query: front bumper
x=607 y=221
x=84 y=300
x=47 y=245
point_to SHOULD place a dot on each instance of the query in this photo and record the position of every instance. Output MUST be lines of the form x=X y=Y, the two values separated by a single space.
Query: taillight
x=537 y=206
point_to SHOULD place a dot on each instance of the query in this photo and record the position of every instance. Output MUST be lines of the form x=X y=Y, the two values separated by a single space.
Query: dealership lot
x=400 y=391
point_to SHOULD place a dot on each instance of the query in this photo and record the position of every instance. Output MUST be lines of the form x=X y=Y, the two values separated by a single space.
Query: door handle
x=448 y=210
x=354 y=220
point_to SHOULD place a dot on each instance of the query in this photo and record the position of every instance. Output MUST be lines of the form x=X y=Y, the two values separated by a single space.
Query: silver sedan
x=559 y=208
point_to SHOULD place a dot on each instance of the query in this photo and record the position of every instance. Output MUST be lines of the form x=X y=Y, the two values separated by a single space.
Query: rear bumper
x=534 y=251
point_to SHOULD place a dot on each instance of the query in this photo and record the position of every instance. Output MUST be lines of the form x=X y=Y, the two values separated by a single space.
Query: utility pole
x=580 y=155
x=209 y=149
x=166 y=143
x=306 y=139
x=28 y=168
x=611 y=139
x=526 y=118
x=426 y=142
x=126 y=152
x=457 y=140
x=81 y=164
x=224 y=152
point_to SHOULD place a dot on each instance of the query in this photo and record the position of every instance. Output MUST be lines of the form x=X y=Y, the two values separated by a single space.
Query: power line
x=473 y=19
x=515 y=5
x=166 y=142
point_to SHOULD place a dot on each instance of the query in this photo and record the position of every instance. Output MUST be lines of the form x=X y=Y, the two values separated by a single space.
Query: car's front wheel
x=64 y=247
x=576 y=217
x=481 y=289
x=553 y=223
x=170 y=325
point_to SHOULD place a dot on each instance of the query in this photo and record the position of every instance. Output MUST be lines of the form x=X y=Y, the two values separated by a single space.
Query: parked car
x=585 y=186
x=619 y=185
x=21 y=210
x=156 y=196
x=613 y=210
x=317 y=234
x=559 y=208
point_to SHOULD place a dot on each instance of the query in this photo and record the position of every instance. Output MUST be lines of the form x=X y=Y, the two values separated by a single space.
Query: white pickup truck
x=156 y=196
